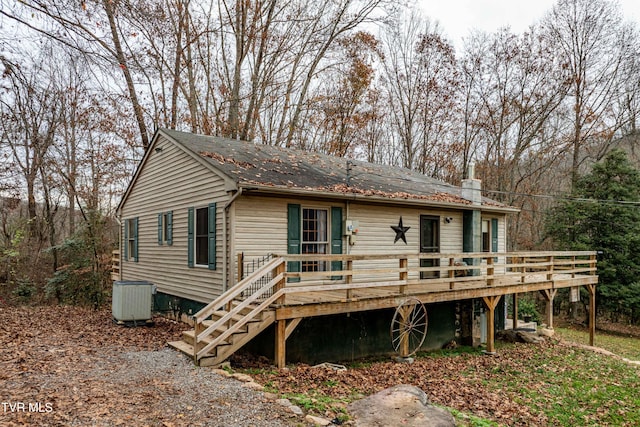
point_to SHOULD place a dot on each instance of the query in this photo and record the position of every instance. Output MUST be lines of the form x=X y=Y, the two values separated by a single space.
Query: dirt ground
x=62 y=366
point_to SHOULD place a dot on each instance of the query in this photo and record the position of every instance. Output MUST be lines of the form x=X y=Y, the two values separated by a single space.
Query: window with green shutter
x=165 y=228
x=294 y=229
x=314 y=231
x=190 y=237
x=201 y=239
x=131 y=239
x=490 y=235
x=494 y=235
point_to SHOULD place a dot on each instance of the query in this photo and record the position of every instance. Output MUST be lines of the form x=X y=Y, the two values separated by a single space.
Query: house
x=200 y=210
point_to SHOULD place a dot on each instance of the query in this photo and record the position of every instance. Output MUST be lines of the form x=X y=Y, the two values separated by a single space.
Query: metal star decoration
x=400 y=232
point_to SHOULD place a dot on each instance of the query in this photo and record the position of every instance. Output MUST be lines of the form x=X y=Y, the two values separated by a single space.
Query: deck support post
x=404 y=274
x=349 y=278
x=514 y=315
x=491 y=303
x=549 y=295
x=280 y=269
x=281 y=340
x=452 y=272
x=592 y=313
x=490 y=271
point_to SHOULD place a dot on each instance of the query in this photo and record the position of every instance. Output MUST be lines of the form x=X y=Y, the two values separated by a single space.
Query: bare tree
x=73 y=24
x=420 y=77
x=30 y=117
x=592 y=38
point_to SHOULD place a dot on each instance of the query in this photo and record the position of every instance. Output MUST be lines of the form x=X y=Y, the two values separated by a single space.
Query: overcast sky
x=457 y=17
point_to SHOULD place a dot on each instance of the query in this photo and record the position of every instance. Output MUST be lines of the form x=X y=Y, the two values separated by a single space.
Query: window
x=131 y=239
x=314 y=237
x=308 y=232
x=202 y=236
x=490 y=235
x=486 y=240
x=165 y=228
x=201 y=241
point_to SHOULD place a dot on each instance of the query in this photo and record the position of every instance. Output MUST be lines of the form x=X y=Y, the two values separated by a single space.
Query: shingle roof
x=250 y=164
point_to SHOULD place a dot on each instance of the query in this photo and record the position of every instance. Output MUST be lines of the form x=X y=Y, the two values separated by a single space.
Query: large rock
x=402 y=405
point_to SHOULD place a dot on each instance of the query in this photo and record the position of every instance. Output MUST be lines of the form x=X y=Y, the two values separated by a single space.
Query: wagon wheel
x=409 y=327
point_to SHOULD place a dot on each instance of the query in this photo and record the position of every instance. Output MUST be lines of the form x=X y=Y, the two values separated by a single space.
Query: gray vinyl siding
x=172 y=180
x=260 y=227
x=376 y=236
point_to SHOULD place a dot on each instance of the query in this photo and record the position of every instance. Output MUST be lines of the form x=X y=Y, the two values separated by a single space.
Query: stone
x=516 y=335
x=317 y=421
x=546 y=332
x=253 y=386
x=401 y=405
x=284 y=402
x=296 y=410
x=222 y=372
x=242 y=377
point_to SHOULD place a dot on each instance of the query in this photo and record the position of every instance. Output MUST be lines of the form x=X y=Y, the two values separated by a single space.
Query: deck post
x=240 y=266
x=514 y=315
x=197 y=328
x=592 y=313
x=281 y=343
x=280 y=269
x=404 y=274
x=349 y=278
x=549 y=295
x=490 y=271
x=452 y=272
x=491 y=302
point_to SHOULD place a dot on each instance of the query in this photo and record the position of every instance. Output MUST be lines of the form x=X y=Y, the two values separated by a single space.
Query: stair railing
x=275 y=287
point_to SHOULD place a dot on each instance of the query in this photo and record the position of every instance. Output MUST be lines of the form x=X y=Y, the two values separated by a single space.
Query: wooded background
x=85 y=83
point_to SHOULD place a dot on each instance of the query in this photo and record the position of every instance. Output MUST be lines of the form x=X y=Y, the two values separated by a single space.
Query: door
x=429 y=243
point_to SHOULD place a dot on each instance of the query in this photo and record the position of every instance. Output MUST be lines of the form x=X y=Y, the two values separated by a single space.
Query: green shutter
x=294 y=229
x=170 y=228
x=212 y=236
x=159 y=229
x=126 y=240
x=190 y=237
x=135 y=238
x=494 y=235
x=336 y=239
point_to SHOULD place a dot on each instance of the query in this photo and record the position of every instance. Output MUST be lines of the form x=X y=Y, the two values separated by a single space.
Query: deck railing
x=115 y=264
x=439 y=272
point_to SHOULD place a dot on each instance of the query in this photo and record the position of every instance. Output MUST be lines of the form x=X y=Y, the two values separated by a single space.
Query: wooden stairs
x=235 y=318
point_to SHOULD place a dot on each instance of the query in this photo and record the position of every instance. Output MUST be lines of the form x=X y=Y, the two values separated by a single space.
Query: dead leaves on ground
x=63 y=357
x=455 y=382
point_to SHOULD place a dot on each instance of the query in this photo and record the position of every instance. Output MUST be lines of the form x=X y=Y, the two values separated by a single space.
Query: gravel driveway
x=71 y=366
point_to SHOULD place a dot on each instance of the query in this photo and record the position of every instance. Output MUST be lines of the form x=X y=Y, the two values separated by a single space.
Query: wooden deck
x=288 y=291
x=364 y=287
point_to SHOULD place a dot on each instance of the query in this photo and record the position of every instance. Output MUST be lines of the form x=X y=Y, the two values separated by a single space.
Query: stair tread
x=182 y=346
x=191 y=335
x=221 y=313
x=220 y=328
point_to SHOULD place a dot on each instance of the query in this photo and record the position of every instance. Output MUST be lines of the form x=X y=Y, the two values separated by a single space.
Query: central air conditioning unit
x=132 y=302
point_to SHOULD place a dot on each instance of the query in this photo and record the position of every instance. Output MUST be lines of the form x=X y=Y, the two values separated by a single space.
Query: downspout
x=225 y=248
x=119 y=221
x=347 y=216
